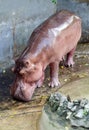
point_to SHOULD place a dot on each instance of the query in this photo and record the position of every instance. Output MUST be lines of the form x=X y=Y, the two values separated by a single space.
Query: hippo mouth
x=22 y=91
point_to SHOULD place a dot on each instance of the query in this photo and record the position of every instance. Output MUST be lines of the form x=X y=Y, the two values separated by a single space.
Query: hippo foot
x=54 y=83
x=39 y=83
x=69 y=63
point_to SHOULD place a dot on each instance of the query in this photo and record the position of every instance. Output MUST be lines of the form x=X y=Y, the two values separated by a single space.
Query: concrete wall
x=18 y=18
x=81 y=8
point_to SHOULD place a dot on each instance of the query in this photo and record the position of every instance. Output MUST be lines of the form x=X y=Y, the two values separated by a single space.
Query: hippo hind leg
x=69 y=58
x=54 y=67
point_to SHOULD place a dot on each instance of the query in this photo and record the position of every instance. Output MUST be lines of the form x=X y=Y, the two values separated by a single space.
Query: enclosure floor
x=16 y=115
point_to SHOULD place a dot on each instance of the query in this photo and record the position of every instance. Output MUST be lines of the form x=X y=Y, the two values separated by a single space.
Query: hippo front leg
x=54 y=67
x=40 y=81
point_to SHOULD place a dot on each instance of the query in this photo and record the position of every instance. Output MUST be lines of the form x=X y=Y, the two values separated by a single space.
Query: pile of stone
x=76 y=113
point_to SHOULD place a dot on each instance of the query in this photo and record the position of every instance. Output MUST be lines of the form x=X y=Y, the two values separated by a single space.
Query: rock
x=70 y=105
x=79 y=114
x=62 y=113
x=87 y=106
x=83 y=102
x=73 y=109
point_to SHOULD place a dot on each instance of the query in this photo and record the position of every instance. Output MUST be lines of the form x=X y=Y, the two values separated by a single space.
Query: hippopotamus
x=48 y=44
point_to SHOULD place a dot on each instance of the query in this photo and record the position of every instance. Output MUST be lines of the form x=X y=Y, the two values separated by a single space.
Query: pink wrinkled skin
x=22 y=90
x=49 y=43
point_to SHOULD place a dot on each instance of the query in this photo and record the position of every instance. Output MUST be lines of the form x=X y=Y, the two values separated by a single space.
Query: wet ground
x=21 y=115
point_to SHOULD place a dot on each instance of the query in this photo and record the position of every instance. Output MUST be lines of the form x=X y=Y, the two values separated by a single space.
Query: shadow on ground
x=6 y=78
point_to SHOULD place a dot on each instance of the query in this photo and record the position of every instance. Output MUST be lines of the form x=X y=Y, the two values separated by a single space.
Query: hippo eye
x=27 y=63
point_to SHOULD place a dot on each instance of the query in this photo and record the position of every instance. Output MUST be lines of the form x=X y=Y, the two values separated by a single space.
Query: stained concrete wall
x=81 y=8
x=18 y=18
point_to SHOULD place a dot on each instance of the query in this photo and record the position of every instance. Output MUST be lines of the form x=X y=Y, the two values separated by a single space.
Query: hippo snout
x=22 y=91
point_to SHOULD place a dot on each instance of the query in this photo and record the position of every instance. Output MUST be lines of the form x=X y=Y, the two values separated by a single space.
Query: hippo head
x=29 y=70
x=27 y=75
x=21 y=90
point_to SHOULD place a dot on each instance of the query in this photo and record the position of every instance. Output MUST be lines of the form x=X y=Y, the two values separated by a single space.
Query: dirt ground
x=25 y=115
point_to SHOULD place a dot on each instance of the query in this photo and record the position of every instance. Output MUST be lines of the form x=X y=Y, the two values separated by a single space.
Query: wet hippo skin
x=49 y=43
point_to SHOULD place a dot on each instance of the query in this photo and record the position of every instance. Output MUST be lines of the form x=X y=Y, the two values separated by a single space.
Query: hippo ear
x=29 y=64
x=27 y=69
x=26 y=62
